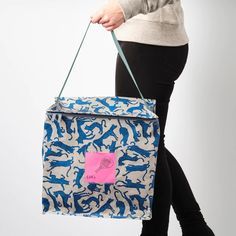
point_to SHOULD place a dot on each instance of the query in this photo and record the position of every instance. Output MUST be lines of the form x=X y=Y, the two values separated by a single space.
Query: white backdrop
x=38 y=41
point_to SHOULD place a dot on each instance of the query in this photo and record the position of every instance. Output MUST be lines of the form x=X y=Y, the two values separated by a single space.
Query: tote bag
x=99 y=154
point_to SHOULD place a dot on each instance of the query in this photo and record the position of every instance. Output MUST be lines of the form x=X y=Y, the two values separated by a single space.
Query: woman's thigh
x=155 y=68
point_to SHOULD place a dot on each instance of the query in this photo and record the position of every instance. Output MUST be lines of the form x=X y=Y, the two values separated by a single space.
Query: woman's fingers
x=111 y=28
x=108 y=24
x=97 y=16
x=104 y=19
x=110 y=16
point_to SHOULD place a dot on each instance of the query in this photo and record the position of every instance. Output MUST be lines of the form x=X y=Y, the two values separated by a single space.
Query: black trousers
x=156 y=68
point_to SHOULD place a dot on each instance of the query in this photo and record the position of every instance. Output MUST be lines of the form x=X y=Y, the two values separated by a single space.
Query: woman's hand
x=110 y=16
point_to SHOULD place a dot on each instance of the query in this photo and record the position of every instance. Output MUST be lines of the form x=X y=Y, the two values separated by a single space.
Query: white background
x=38 y=40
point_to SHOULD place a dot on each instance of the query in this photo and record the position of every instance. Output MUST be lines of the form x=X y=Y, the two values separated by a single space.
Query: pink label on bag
x=100 y=167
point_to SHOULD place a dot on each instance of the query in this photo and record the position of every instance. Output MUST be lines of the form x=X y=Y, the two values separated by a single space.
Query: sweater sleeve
x=134 y=7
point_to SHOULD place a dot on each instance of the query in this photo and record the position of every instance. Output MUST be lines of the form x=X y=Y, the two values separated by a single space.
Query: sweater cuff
x=130 y=8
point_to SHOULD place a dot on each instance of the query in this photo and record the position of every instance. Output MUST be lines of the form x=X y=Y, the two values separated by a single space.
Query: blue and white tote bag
x=99 y=155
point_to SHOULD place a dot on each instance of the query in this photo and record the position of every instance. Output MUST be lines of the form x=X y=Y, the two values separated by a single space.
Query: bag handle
x=120 y=53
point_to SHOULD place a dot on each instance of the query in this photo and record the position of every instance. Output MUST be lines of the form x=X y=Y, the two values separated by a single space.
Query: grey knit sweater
x=156 y=22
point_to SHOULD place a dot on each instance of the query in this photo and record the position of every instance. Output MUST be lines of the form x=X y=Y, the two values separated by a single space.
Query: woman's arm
x=133 y=7
x=115 y=12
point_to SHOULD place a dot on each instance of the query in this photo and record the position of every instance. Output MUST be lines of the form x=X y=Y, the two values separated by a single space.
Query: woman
x=153 y=38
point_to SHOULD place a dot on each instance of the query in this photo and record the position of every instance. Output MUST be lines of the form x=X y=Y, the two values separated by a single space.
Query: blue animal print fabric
x=125 y=128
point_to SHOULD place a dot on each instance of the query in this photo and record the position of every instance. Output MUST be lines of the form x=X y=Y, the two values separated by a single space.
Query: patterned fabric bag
x=99 y=155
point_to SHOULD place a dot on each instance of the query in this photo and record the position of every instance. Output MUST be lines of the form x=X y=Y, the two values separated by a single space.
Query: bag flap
x=106 y=105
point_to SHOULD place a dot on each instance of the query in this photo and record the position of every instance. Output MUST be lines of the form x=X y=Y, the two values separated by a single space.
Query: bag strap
x=120 y=53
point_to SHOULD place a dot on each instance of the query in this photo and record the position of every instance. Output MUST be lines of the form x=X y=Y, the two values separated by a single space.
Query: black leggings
x=155 y=69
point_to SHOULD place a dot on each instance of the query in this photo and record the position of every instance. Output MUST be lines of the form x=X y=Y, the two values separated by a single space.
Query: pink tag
x=100 y=167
